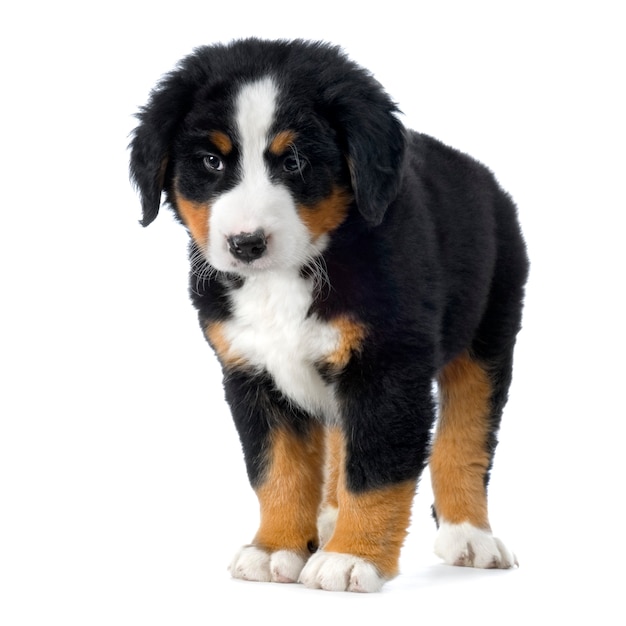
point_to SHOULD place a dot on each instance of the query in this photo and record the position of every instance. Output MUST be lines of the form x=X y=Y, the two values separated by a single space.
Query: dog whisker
x=201 y=270
x=322 y=286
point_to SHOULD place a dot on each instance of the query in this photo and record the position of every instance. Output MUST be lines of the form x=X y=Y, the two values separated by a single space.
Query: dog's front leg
x=364 y=547
x=284 y=453
x=377 y=453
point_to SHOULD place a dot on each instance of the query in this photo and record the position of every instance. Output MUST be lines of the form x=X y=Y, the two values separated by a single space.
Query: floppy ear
x=374 y=142
x=159 y=121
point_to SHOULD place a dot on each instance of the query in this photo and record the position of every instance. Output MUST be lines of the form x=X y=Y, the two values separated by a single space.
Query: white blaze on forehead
x=257 y=202
x=255 y=111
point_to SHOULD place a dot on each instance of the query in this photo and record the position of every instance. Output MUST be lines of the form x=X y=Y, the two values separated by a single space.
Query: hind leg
x=471 y=403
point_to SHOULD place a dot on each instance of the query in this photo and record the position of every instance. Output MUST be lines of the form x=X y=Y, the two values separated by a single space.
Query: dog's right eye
x=213 y=163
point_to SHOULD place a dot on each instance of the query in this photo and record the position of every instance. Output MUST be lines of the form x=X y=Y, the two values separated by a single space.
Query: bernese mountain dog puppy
x=340 y=264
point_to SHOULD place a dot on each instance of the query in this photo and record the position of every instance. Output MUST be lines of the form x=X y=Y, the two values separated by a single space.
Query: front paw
x=334 y=571
x=256 y=564
x=465 y=545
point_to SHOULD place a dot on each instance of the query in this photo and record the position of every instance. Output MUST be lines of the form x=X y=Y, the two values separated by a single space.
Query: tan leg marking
x=371 y=525
x=291 y=492
x=334 y=457
x=459 y=458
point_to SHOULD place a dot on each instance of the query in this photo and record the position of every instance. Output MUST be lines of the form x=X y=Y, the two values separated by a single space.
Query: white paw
x=285 y=566
x=252 y=563
x=464 y=544
x=326 y=522
x=333 y=571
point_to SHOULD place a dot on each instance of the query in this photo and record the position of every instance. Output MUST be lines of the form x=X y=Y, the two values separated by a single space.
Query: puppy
x=340 y=264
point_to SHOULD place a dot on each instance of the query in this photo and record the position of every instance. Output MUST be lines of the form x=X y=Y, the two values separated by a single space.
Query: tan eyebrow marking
x=221 y=141
x=282 y=142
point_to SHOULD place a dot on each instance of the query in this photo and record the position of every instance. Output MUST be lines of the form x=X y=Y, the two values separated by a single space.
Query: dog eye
x=213 y=162
x=293 y=164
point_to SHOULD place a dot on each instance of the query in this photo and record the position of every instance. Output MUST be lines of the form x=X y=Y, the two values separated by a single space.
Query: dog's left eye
x=213 y=162
x=293 y=164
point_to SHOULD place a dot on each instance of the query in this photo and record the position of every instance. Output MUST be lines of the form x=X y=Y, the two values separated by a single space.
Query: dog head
x=263 y=148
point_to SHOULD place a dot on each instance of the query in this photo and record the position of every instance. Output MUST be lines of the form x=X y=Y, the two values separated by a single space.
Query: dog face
x=260 y=159
x=258 y=190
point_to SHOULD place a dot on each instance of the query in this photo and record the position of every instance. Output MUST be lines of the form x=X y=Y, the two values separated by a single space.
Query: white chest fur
x=271 y=329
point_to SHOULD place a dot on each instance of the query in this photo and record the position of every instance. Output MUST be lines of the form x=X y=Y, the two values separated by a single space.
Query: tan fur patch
x=351 y=335
x=282 y=142
x=215 y=334
x=290 y=495
x=327 y=214
x=334 y=456
x=459 y=458
x=221 y=141
x=195 y=215
x=373 y=524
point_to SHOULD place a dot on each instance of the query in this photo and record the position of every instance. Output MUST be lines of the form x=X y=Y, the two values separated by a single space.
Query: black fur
x=430 y=258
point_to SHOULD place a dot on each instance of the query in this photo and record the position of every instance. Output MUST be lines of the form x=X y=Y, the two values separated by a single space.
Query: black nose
x=247 y=246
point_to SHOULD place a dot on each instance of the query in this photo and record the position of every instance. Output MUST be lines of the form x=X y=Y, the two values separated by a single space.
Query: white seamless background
x=123 y=493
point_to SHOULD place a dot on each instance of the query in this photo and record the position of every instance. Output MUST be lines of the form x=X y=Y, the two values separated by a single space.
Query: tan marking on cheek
x=282 y=142
x=459 y=459
x=327 y=214
x=291 y=492
x=195 y=215
x=351 y=336
x=222 y=141
x=216 y=336
x=372 y=524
